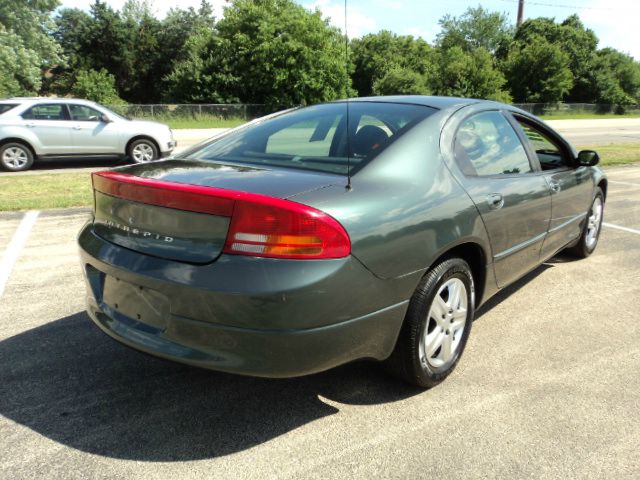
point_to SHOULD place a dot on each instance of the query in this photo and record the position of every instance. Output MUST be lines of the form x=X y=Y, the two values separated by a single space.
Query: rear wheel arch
x=435 y=330
x=476 y=257
x=22 y=141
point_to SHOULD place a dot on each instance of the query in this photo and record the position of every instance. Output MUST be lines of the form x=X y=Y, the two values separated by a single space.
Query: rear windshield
x=5 y=107
x=314 y=138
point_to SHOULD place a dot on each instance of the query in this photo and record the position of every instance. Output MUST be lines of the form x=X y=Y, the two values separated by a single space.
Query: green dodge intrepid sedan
x=367 y=229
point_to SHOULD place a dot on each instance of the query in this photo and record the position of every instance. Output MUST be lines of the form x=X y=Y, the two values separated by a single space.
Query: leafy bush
x=99 y=86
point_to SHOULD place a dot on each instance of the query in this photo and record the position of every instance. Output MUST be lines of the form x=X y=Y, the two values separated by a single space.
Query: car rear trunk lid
x=182 y=210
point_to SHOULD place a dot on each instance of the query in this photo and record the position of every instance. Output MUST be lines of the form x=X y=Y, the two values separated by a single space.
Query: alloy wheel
x=142 y=152
x=593 y=223
x=445 y=324
x=15 y=157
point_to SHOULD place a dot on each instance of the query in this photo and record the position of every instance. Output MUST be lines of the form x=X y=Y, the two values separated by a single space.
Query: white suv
x=38 y=128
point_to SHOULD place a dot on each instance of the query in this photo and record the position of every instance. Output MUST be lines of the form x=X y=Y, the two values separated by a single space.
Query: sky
x=615 y=22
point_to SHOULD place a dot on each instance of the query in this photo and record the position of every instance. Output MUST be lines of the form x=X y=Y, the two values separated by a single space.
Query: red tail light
x=278 y=228
x=261 y=226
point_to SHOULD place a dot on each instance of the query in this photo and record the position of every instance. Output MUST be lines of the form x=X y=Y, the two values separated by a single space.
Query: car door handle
x=76 y=127
x=495 y=201
x=554 y=186
x=31 y=124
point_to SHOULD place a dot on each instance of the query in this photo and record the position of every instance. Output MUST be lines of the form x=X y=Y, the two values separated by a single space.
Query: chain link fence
x=246 y=112
x=560 y=109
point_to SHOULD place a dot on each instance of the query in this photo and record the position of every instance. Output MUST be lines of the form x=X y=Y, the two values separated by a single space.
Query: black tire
x=408 y=360
x=587 y=243
x=16 y=157
x=142 y=151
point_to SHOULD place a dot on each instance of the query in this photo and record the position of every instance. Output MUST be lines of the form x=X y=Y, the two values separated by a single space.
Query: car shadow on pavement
x=68 y=381
x=512 y=288
x=563 y=258
x=84 y=162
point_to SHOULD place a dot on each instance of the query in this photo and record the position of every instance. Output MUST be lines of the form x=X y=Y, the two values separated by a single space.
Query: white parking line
x=625 y=183
x=624 y=229
x=12 y=252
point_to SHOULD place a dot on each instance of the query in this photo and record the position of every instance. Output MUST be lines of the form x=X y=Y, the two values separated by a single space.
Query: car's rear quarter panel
x=405 y=209
x=12 y=130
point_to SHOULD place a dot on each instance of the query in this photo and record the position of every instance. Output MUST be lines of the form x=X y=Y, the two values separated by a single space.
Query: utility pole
x=520 y=12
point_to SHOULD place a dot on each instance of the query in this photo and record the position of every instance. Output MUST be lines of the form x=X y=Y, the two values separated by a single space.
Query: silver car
x=38 y=128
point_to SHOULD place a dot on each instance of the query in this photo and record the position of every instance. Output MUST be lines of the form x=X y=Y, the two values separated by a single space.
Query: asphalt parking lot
x=549 y=386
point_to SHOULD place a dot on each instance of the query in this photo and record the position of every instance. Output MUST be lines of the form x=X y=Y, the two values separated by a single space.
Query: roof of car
x=45 y=99
x=426 y=100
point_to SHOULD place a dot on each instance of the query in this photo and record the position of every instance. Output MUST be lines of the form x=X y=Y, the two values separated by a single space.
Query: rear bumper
x=284 y=353
x=252 y=316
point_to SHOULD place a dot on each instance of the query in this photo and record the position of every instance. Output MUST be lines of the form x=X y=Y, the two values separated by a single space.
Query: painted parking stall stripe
x=625 y=183
x=12 y=252
x=624 y=229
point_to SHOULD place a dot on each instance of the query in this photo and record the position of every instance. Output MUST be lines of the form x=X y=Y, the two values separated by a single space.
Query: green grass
x=62 y=190
x=587 y=116
x=209 y=121
x=40 y=192
x=617 y=154
x=203 y=121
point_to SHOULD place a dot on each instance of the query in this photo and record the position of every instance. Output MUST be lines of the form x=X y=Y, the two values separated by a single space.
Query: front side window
x=82 y=113
x=547 y=150
x=48 y=111
x=487 y=144
x=315 y=138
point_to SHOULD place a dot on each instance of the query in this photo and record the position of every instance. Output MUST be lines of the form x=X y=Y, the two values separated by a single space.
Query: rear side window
x=47 y=111
x=305 y=138
x=487 y=144
x=5 y=107
x=82 y=113
x=317 y=138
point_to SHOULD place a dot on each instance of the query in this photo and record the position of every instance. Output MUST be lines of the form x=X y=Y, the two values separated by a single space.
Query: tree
x=476 y=28
x=281 y=53
x=469 y=74
x=25 y=46
x=377 y=54
x=191 y=73
x=401 y=81
x=202 y=76
x=538 y=71
x=265 y=51
x=616 y=79
x=97 y=40
x=132 y=44
x=19 y=66
x=179 y=26
x=98 y=86
x=572 y=38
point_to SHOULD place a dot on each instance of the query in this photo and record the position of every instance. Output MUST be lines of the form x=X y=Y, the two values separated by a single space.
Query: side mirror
x=588 y=158
x=105 y=119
